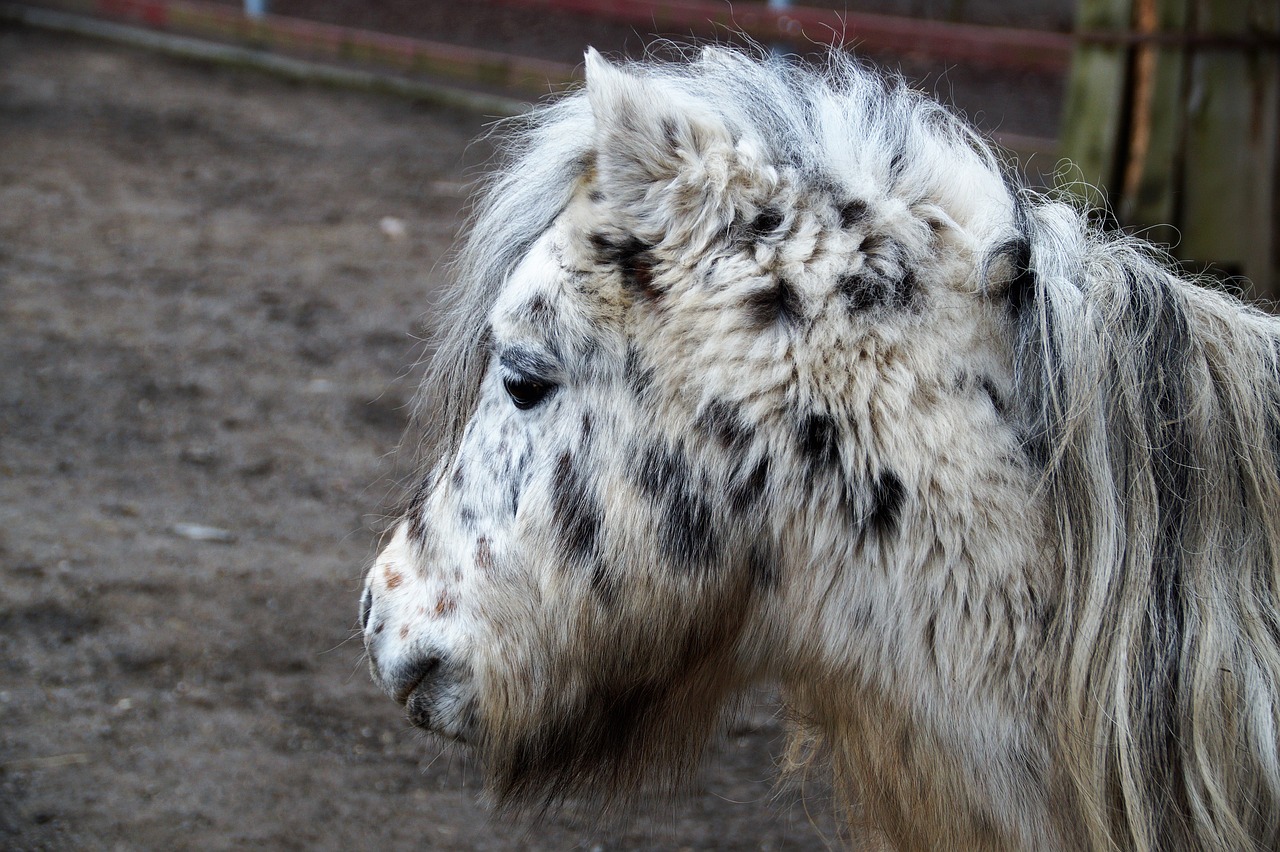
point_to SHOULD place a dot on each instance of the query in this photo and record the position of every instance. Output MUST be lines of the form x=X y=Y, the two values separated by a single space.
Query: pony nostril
x=366 y=606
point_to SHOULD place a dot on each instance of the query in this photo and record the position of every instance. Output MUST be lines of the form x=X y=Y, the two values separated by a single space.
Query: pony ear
x=649 y=132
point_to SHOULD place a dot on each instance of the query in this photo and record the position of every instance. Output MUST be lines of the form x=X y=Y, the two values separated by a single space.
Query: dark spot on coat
x=540 y=309
x=688 y=534
x=885 y=278
x=819 y=440
x=685 y=521
x=777 y=304
x=862 y=291
x=887 y=497
x=638 y=374
x=484 y=555
x=659 y=469
x=720 y=420
x=765 y=223
x=904 y=290
x=577 y=514
x=603 y=583
x=852 y=213
x=748 y=484
x=632 y=258
x=762 y=566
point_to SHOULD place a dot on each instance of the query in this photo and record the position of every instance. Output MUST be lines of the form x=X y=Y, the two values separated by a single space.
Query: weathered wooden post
x=1173 y=111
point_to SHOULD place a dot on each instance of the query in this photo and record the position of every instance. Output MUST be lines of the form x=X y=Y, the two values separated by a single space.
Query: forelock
x=541 y=156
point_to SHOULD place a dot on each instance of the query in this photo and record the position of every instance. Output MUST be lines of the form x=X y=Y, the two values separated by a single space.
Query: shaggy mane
x=1154 y=407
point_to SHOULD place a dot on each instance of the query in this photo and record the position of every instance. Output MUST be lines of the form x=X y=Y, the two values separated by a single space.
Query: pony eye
x=526 y=393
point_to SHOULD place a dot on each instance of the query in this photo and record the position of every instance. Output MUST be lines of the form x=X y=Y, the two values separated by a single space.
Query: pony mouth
x=427 y=697
x=423 y=711
x=415 y=677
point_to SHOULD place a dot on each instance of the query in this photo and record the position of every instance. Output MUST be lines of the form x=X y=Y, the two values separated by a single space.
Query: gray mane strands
x=1154 y=404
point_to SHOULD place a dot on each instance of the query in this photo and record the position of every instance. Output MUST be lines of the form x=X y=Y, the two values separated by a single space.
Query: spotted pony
x=758 y=371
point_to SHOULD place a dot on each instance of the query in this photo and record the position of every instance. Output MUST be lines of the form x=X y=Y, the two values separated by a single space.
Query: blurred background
x=222 y=229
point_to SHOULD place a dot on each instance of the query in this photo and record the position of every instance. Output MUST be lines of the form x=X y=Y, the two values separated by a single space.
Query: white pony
x=760 y=371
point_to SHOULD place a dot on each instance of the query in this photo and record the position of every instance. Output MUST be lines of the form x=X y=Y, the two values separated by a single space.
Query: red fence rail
x=1033 y=50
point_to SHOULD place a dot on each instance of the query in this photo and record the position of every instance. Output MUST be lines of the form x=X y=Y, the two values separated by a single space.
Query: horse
x=770 y=371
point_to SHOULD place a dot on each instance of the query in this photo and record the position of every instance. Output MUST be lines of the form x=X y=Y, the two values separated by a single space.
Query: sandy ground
x=201 y=323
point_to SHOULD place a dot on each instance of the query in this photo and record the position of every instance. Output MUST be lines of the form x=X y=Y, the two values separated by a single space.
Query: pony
x=759 y=370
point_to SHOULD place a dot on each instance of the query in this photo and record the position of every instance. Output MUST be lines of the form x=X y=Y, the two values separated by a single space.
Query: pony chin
x=604 y=721
x=605 y=745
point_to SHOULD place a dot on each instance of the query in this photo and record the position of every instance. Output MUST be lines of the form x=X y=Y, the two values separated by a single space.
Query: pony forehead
x=550 y=310
x=538 y=273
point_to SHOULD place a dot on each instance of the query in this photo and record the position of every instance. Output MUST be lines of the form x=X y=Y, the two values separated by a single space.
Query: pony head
x=755 y=372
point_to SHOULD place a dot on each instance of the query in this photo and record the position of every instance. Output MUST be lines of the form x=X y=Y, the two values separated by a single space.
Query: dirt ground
x=202 y=323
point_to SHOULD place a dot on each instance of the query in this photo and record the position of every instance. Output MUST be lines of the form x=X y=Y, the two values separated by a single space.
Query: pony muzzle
x=433 y=690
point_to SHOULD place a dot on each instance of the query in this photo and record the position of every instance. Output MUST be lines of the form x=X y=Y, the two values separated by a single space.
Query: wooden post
x=1091 y=129
x=1216 y=185
x=1148 y=197
x=1173 y=109
x=1263 y=152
